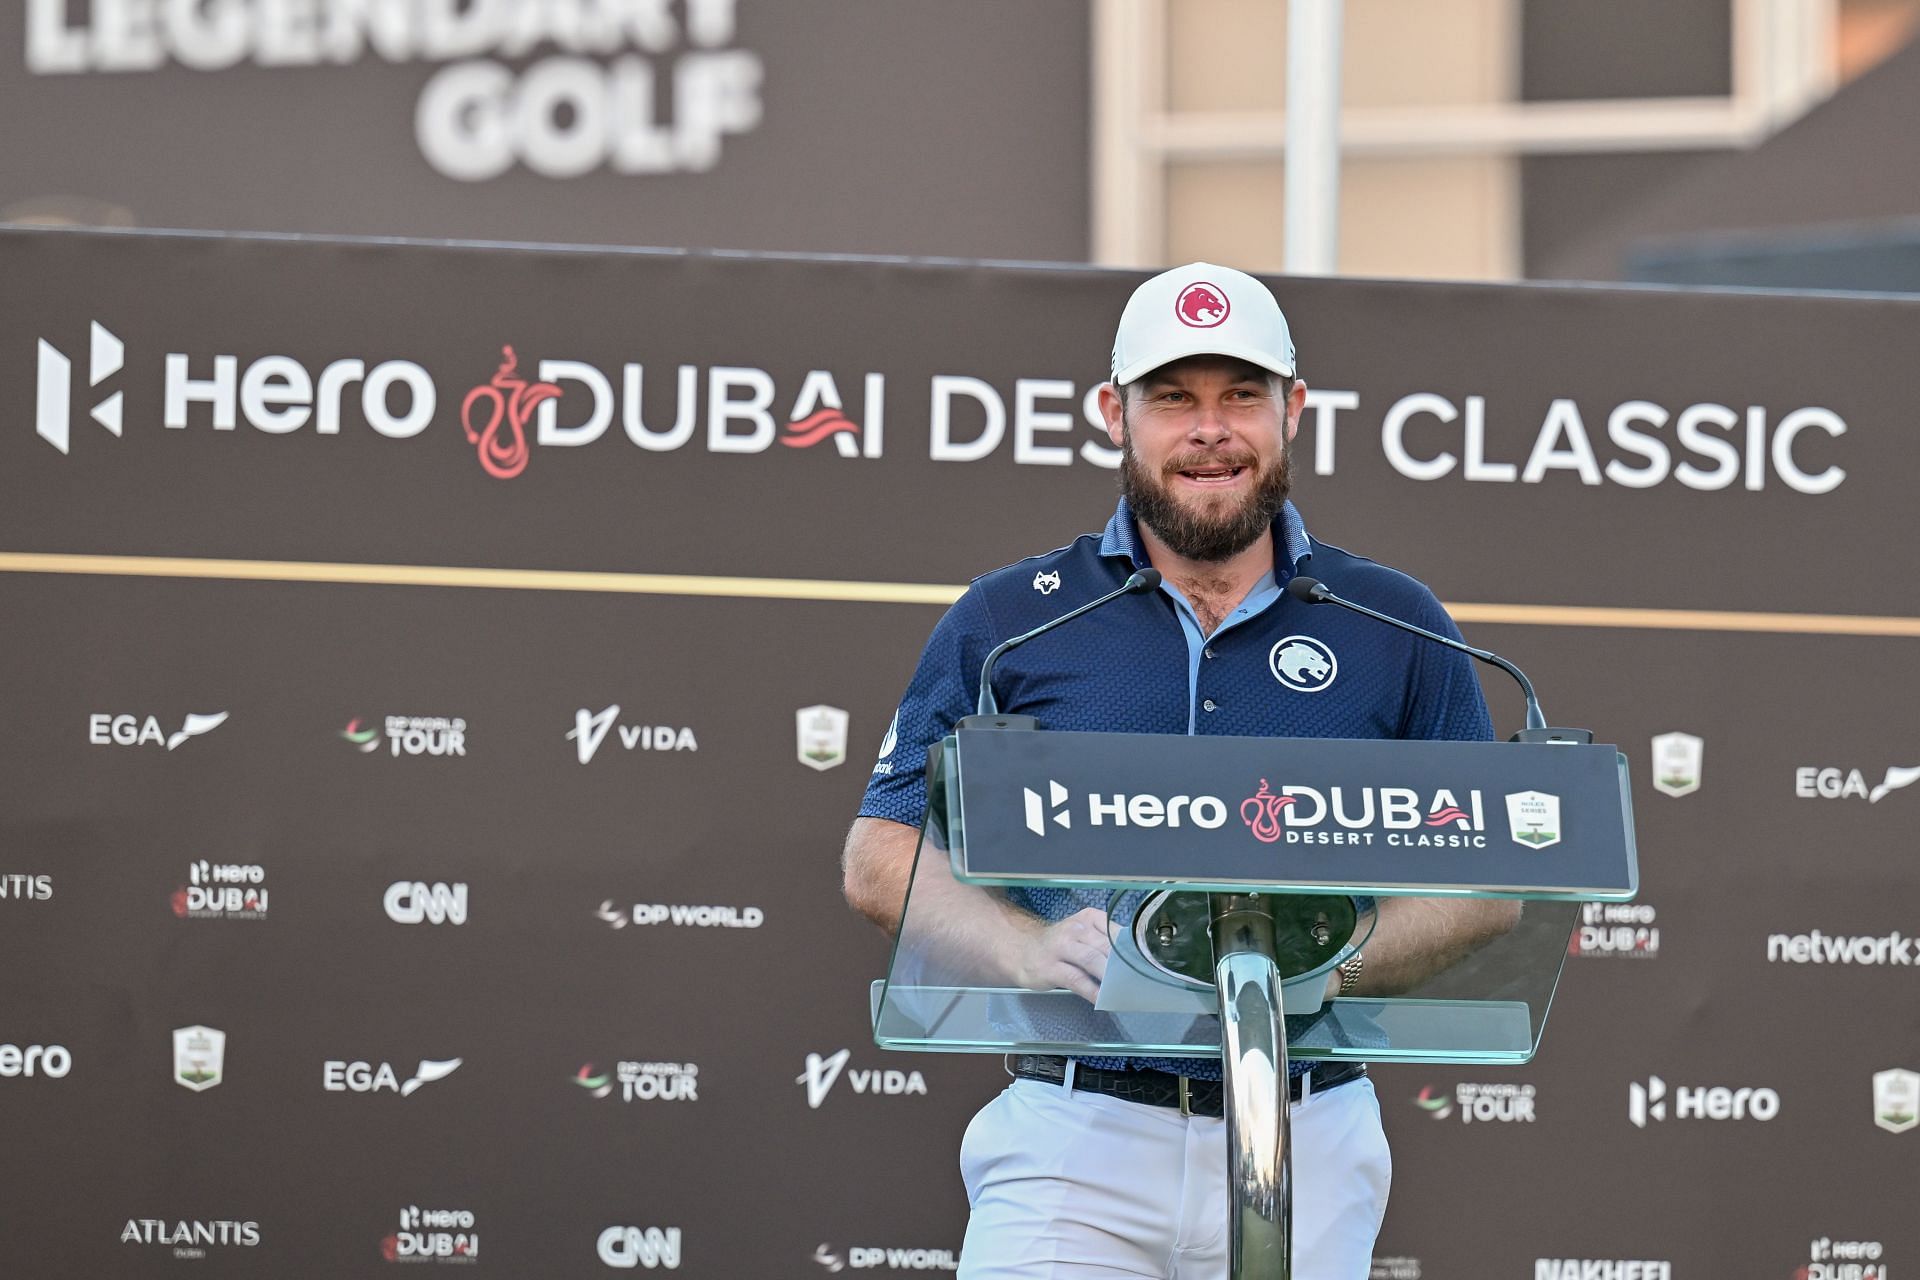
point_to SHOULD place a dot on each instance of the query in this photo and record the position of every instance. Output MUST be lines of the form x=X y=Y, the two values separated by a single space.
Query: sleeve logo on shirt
x=1047 y=583
x=1303 y=664
x=887 y=744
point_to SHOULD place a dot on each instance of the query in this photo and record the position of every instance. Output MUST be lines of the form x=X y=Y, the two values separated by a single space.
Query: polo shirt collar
x=1122 y=538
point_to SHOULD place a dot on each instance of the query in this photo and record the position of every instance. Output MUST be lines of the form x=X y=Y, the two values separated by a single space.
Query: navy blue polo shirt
x=1275 y=667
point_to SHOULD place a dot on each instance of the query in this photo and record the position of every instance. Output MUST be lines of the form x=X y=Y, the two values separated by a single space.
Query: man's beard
x=1205 y=534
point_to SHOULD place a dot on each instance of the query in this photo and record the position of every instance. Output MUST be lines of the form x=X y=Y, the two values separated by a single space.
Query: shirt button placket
x=1208 y=705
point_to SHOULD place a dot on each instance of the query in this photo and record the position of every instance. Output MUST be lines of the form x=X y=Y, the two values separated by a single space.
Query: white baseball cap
x=1200 y=310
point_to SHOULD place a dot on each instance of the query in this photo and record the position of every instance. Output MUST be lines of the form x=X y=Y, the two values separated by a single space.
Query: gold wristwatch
x=1349 y=971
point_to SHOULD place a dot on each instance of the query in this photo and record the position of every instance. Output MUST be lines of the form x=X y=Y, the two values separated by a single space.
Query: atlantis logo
x=191 y=1239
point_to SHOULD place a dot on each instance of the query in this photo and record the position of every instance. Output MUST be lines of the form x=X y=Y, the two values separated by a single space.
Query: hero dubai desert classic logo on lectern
x=1295 y=814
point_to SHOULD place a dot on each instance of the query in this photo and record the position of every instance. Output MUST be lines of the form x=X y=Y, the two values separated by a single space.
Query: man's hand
x=1070 y=953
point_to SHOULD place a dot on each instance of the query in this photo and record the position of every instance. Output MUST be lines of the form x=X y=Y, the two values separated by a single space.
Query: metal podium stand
x=1234 y=875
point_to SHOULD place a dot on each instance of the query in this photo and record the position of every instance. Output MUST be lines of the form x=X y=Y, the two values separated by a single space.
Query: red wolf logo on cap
x=510 y=401
x=1202 y=306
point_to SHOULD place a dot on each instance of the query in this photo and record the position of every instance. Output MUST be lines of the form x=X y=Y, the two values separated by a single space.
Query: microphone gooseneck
x=1313 y=591
x=1142 y=580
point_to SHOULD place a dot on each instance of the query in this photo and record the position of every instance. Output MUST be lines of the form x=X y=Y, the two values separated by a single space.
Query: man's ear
x=1296 y=404
x=1114 y=411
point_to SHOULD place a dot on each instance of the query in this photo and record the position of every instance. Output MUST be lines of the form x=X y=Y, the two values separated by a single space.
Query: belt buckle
x=1186 y=1099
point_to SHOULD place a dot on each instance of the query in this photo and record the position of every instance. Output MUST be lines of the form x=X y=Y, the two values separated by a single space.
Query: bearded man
x=1117 y=1166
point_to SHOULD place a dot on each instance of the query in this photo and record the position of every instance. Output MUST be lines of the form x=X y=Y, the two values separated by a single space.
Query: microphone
x=1143 y=580
x=1313 y=591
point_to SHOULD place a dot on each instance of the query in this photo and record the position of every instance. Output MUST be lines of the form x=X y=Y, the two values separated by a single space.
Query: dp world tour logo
x=1202 y=306
x=508 y=401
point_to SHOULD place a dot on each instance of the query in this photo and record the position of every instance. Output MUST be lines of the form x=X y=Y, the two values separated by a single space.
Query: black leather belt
x=1159 y=1089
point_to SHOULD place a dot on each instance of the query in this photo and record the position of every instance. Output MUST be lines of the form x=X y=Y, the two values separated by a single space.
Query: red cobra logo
x=1261 y=812
x=510 y=401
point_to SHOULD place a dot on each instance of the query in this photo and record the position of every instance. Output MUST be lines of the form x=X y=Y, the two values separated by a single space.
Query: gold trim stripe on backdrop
x=675 y=584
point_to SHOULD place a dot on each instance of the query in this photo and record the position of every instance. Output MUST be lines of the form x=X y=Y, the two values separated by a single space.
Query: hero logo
x=53 y=416
x=433 y=1235
x=650 y=1247
x=413 y=902
x=215 y=891
x=1830 y=783
x=1830 y=1259
x=363 y=1077
x=1119 y=809
x=822 y=1074
x=1623 y=930
x=50 y=1060
x=1648 y=1103
x=104 y=729
x=276 y=394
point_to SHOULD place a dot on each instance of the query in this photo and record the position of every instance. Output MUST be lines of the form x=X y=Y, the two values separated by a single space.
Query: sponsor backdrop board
x=874 y=126
x=438 y=702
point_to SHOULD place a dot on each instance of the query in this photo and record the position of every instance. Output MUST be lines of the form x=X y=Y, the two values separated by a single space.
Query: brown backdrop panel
x=538 y=987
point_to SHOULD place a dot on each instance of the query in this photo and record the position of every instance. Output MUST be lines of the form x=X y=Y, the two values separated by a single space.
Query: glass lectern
x=1231 y=876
